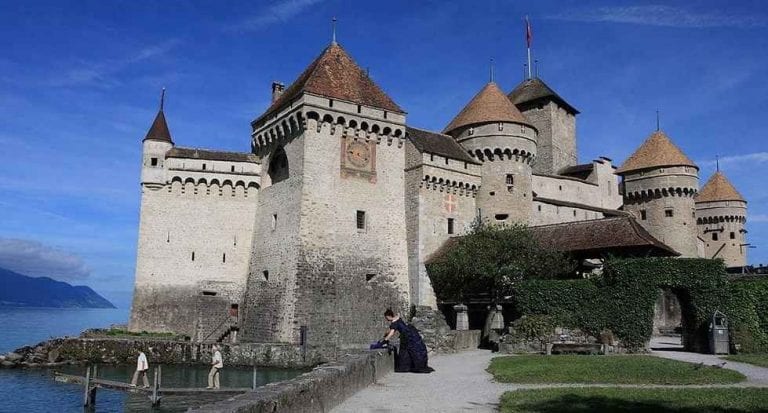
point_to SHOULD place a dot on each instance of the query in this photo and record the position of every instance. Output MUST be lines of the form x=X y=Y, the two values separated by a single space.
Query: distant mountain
x=17 y=290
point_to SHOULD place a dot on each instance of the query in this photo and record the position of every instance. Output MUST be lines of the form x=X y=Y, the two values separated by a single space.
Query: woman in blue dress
x=412 y=356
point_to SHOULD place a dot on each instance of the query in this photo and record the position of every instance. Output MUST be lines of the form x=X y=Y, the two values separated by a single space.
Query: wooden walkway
x=155 y=392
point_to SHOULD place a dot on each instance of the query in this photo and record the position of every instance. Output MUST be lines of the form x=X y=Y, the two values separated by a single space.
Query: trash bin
x=718 y=334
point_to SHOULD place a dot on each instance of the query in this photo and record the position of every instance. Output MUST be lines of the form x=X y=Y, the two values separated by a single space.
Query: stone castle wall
x=721 y=227
x=662 y=202
x=556 y=137
x=437 y=189
x=194 y=237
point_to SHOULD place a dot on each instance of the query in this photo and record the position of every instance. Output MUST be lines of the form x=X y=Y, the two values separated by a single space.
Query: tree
x=490 y=260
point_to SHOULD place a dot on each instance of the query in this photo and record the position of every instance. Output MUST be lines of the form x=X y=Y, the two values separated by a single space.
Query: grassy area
x=606 y=369
x=617 y=400
x=756 y=359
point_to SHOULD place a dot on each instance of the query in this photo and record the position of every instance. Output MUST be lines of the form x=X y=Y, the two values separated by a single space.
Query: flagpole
x=528 y=43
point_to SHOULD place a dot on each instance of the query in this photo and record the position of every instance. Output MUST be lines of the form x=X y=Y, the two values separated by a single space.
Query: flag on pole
x=528 y=32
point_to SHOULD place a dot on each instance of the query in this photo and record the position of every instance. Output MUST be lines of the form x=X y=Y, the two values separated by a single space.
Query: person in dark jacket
x=412 y=356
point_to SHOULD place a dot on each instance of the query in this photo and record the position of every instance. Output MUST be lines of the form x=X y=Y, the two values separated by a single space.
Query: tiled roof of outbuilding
x=657 y=151
x=211 y=155
x=438 y=143
x=718 y=188
x=488 y=105
x=159 y=130
x=334 y=74
x=531 y=90
x=599 y=234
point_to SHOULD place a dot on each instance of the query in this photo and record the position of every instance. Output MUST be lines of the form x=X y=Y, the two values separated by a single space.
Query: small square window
x=446 y=160
x=193 y=255
x=385 y=114
x=510 y=179
x=574 y=212
x=153 y=161
x=669 y=213
x=274 y=221
x=643 y=215
x=232 y=168
x=265 y=273
x=431 y=157
x=224 y=257
x=539 y=208
x=204 y=166
x=360 y=218
x=733 y=235
x=369 y=277
x=450 y=226
x=330 y=103
x=714 y=236
x=359 y=108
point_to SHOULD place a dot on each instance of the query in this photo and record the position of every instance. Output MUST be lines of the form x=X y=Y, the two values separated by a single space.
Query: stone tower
x=555 y=121
x=330 y=252
x=721 y=213
x=154 y=147
x=496 y=134
x=659 y=184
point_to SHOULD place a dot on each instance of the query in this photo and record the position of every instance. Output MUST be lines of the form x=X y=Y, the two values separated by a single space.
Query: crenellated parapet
x=212 y=187
x=294 y=123
x=655 y=193
x=449 y=186
x=502 y=154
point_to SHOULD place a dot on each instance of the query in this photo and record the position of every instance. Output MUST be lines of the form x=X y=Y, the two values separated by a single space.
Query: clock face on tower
x=359 y=154
x=358 y=159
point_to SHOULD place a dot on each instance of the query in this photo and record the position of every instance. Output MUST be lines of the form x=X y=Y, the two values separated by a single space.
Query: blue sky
x=79 y=85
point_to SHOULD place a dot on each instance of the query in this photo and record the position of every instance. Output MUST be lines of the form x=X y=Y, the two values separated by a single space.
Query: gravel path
x=461 y=384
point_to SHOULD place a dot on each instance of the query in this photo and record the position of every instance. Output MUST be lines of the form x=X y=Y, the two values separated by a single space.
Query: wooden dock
x=155 y=392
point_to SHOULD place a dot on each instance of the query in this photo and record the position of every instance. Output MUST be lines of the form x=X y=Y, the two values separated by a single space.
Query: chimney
x=277 y=90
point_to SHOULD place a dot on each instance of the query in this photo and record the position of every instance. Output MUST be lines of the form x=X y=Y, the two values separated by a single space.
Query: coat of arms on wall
x=449 y=203
x=358 y=159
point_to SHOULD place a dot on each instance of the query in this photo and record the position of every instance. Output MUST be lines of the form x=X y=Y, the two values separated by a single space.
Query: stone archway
x=670 y=313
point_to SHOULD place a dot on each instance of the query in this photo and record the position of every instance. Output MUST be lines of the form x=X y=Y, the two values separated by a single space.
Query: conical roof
x=533 y=89
x=718 y=188
x=657 y=151
x=489 y=105
x=334 y=74
x=159 y=129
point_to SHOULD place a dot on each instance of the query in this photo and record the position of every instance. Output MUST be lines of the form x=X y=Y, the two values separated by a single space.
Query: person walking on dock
x=216 y=365
x=141 y=370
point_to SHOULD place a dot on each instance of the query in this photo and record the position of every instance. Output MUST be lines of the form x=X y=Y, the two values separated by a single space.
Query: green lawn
x=606 y=369
x=616 y=400
x=756 y=359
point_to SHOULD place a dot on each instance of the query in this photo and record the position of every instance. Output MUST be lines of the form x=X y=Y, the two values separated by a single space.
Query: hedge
x=623 y=299
x=748 y=315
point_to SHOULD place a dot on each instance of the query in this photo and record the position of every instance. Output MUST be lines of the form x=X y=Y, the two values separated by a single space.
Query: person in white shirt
x=217 y=363
x=142 y=365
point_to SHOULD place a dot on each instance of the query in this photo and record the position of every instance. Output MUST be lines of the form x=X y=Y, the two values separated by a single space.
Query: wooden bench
x=575 y=348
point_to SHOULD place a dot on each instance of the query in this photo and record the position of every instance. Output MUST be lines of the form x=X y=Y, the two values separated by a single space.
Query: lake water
x=33 y=390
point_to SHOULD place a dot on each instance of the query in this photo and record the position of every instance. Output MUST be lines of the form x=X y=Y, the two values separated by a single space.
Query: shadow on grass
x=590 y=404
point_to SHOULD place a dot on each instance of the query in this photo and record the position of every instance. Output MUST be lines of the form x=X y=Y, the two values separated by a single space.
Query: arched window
x=278 y=166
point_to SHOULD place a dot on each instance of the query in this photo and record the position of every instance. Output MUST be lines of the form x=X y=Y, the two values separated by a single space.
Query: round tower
x=659 y=184
x=721 y=214
x=154 y=146
x=495 y=133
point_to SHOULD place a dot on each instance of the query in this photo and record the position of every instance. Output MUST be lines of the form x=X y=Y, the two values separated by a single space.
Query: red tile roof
x=718 y=188
x=334 y=74
x=657 y=151
x=159 y=129
x=488 y=105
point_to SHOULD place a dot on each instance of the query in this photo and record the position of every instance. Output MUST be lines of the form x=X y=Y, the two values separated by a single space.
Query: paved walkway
x=458 y=384
x=461 y=384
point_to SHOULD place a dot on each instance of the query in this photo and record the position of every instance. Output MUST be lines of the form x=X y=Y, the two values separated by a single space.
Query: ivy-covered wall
x=748 y=312
x=622 y=300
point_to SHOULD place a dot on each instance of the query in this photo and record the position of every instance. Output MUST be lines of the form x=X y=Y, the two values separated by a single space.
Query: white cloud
x=279 y=12
x=747 y=159
x=660 y=15
x=38 y=260
x=100 y=73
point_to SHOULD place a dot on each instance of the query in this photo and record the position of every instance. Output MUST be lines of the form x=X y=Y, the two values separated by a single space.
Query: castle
x=330 y=217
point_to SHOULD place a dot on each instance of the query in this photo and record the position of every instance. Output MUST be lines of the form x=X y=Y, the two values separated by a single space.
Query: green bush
x=623 y=299
x=748 y=315
x=490 y=260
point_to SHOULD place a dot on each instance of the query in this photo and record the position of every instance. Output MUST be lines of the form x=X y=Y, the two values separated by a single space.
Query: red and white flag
x=528 y=32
